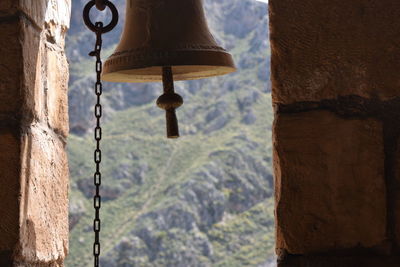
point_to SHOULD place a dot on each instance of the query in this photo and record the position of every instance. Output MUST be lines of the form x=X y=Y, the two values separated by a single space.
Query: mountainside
x=205 y=199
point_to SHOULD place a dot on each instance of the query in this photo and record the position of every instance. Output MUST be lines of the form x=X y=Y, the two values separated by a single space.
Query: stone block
x=322 y=50
x=44 y=198
x=9 y=189
x=39 y=12
x=7 y=5
x=33 y=77
x=31 y=85
x=330 y=189
x=35 y=10
x=33 y=161
x=11 y=67
x=21 y=86
x=57 y=91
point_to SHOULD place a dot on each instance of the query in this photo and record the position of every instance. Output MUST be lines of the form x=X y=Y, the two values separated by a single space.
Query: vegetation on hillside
x=204 y=199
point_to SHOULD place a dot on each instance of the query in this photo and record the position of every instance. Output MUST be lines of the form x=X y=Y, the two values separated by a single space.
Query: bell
x=166 y=40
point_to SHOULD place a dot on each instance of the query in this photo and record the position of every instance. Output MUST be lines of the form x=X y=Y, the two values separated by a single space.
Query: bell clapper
x=169 y=101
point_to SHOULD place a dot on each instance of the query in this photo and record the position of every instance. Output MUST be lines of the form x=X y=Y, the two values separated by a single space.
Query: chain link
x=98 y=88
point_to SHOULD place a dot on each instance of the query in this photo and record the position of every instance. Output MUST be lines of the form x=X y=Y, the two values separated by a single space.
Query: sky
x=264 y=1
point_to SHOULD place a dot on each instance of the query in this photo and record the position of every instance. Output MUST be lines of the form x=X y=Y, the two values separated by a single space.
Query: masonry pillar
x=336 y=93
x=33 y=131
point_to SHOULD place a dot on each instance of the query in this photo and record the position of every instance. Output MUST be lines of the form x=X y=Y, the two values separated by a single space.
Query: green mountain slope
x=202 y=200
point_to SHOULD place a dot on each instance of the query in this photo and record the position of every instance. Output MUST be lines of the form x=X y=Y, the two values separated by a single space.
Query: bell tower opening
x=205 y=199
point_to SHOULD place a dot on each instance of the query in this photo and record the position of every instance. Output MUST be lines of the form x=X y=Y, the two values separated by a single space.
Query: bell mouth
x=154 y=74
x=147 y=67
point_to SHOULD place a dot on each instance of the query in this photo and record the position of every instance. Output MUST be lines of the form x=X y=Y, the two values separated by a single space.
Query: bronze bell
x=166 y=40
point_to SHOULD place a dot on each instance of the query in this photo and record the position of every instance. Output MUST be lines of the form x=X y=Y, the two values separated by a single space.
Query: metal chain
x=97 y=136
x=99 y=29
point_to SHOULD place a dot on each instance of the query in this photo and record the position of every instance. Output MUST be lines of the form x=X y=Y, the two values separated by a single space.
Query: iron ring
x=89 y=23
x=100 y=5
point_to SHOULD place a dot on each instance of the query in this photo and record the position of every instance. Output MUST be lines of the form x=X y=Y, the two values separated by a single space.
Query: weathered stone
x=44 y=198
x=10 y=67
x=39 y=12
x=33 y=127
x=57 y=91
x=330 y=190
x=20 y=68
x=322 y=51
x=7 y=5
x=34 y=10
x=33 y=105
x=40 y=72
x=9 y=189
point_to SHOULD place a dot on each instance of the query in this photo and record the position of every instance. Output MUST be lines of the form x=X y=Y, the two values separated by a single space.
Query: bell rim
x=126 y=78
x=215 y=62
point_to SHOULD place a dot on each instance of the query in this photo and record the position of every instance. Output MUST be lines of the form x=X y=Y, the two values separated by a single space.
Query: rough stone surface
x=337 y=178
x=9 y=189
x=7 y=5
x=33 y=105
x=330 y=190
x=56 y=91
x=33 y=127
x=44 y=194
x=36 y=63
x=45 y=79
x=10 y=66
x=324 y=50
x=39 y=12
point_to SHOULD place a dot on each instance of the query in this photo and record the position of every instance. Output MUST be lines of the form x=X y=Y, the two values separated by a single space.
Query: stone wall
x=336 y=93
x=33 y=131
